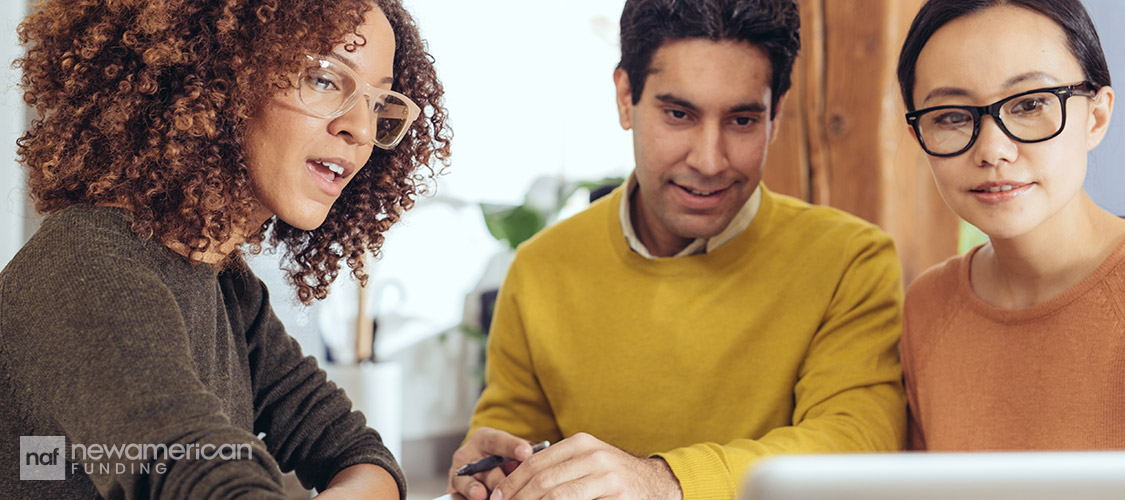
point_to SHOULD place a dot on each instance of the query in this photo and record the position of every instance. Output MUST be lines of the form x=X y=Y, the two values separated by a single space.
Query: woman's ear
x=1101 y=109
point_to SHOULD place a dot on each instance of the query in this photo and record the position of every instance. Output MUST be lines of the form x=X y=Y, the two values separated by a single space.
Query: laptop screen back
x=939 y=476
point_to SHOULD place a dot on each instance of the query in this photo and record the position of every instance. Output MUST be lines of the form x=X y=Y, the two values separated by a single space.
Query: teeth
x=701 y=193
x=997 y=189
x=336 y=169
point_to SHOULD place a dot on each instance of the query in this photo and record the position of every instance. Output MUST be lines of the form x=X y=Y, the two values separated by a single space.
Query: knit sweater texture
x=107 y=339
x=783 y=340
x=1046 y=377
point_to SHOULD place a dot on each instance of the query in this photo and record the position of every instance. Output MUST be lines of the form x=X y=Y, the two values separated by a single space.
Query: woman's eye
x=1028 y=106
x=322 y=82
x=953 y=119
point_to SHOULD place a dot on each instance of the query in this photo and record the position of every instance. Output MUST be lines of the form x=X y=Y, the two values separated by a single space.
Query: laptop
x=1094 y=475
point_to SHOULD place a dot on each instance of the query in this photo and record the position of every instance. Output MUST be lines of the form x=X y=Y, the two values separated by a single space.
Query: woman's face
x=299 y=163
x=982 y=58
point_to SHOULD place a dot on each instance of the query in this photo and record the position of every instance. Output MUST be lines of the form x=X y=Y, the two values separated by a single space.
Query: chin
x=304 y=222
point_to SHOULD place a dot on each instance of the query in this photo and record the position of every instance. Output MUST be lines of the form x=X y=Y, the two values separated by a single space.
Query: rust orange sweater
x=1049 y=377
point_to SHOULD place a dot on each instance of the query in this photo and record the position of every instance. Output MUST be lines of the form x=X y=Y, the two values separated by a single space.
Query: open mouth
x=327 y=170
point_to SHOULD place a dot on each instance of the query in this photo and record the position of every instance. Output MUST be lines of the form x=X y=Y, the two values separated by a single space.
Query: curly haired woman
x=169 y=135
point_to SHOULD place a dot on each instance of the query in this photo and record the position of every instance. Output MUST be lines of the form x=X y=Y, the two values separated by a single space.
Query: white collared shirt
x=698 y=246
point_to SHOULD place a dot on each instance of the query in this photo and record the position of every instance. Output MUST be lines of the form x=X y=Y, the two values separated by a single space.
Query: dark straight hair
x=1081 y=37
x=772 y=25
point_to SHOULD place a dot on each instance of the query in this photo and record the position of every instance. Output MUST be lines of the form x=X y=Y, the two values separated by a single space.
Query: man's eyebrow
x=751 y=107
x=351 y=64
x=1009 y=83
x=676 y=101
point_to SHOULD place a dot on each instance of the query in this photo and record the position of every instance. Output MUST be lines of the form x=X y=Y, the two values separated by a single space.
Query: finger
x=493 y=477
x=548 y=480
x=468 y=486
x=545 y=470
x=497 y=442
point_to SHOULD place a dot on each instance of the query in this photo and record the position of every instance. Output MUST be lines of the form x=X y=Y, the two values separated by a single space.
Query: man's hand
x=485 y=442
x=583 y=468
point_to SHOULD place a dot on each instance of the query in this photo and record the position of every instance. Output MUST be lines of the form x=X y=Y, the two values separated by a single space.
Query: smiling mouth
x=695 y=192
x=997 y=189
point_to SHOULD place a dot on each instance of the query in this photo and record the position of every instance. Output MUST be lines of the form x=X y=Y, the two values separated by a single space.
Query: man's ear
x=775 y=122
x=624 y=98
x=1101 y=109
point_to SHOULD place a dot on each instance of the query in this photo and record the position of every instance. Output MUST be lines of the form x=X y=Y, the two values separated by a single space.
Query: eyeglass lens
x=1029 y=117
x=327 y=90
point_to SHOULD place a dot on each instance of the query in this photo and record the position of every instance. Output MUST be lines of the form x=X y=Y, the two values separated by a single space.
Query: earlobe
x=1101 y=109
x=624 y=98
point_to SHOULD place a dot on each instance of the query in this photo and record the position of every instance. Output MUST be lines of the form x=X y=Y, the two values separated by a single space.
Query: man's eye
x=676 y=114
x=743 y=121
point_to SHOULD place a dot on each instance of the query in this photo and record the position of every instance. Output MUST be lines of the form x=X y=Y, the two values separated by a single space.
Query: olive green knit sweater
x=108 y=340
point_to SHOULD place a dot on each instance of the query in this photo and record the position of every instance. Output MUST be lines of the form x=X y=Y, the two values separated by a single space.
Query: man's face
x=700 y=132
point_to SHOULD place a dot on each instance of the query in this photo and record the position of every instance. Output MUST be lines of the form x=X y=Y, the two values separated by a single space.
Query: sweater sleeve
x=849 y=395
x=513 y=400
x=107 y=358
x=308 y=422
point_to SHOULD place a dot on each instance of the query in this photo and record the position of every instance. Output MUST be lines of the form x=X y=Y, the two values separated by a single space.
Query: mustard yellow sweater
x=783 y=340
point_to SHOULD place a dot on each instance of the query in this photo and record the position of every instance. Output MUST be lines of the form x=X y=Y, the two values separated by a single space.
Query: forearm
x=362 y=482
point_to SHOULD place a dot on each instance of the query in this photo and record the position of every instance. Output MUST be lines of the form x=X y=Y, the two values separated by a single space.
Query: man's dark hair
x=1069 y=15
x=772 y=25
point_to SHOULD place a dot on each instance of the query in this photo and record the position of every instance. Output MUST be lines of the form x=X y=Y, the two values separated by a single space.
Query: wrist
x=665 y=484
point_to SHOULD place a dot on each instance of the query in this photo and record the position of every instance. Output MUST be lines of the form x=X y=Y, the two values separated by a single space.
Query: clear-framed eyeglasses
x=1032 y=116
x=328 y=89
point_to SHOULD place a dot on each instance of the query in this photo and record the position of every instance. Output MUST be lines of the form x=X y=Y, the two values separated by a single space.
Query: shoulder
x=85 y=265
x=796 y=227
x=817 y=220
x=80 y=246
x=937 y=284
x=931 y=303
x=575 y=236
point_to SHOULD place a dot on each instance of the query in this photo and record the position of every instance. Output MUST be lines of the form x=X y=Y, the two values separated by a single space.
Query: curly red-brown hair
x=143 y=104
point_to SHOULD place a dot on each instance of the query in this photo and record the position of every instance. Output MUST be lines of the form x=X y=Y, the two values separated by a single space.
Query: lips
x=702 y=199
x=330 y=174
x=701 y=192
x=994 y=192
x=998 y=186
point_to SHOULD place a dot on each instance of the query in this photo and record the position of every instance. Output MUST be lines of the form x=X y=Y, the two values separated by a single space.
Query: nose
x=708 y=152
x=356 y=125
x=993 y=146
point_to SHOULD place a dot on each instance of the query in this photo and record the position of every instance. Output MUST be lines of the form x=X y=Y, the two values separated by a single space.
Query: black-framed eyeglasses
x=1032 y=116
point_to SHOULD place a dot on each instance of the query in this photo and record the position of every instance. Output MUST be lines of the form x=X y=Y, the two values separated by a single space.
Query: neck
x=658 y=244
x=1031 y=268
x=217 y=252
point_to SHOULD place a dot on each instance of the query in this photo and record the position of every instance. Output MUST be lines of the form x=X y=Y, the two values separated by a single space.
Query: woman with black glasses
x=139 y=356
x=1020 y=344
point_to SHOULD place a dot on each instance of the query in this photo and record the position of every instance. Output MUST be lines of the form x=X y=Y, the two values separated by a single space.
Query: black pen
x=489 y=463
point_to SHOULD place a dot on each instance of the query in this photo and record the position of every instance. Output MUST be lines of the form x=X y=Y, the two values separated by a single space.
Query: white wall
x=12 y=123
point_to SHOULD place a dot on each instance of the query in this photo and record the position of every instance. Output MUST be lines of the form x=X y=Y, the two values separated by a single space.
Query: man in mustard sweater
x=691 y=322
